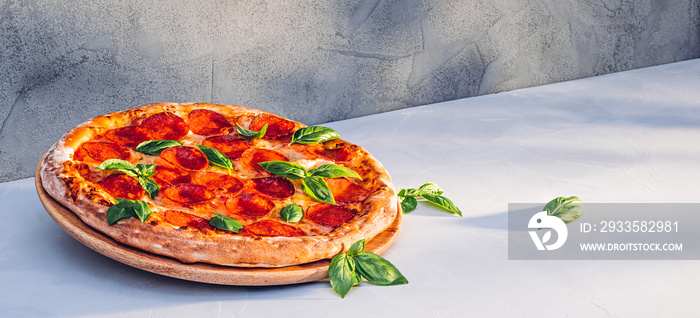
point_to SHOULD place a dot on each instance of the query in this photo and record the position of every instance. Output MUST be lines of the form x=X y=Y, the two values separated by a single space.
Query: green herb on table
x=127 y=208
x=312 y=182
x=429 y=192
x=143 y=172
x=251 y=134
x=567 y=209
x=349 y=269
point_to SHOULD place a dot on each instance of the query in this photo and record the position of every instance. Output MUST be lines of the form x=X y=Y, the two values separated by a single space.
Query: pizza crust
x=90 y=203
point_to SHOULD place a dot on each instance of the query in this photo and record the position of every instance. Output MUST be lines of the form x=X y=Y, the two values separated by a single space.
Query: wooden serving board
x=199 y=272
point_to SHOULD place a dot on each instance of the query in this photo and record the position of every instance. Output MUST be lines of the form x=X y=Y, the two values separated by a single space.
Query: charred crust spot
x=66 y=166
x=335 y=144
x=365 y=209
x=72 y=187
x=154 y=222
x=136 y=114
x=363 y=169
x=97 y=197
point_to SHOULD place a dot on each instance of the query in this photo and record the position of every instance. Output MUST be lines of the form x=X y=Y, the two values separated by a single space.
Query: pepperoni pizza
x=166 y=201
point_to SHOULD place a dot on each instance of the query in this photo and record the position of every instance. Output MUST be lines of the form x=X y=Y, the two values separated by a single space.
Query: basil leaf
x=428 y=191
x=292 y=213
x=402 y=193
x=313 y=134
x=430 y=187
x=378 y=270
x=142 y=210
x=119 y=165
x=146 y=170
x=408 y=193
x=567 y=209
x=357 y=279
x=442 y=202
x=150 y=186
x=356 y=248
x=154 y=147
x=333 y=171
x=223 y=222
x=285 y=169
x=251 y=134
x=127 y=208
x=317 y=188
x=123 y=209
x=342 y=275
x=408 y=204
x=216 y=157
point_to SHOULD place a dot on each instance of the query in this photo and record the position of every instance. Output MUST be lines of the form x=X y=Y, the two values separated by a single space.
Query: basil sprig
x=251 y=134
x=216 y=157
x=126 y=208
x=155 y=147
x=291 y=213
x=429 y=192
x=223 y=222
x=285 y=169
x=143 y=172
x=348 y=269
x=314 y=134
x=567 y=209
x=312 y=182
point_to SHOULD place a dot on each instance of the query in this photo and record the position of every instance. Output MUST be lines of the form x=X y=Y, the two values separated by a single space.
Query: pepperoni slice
x=122 y=186
x=272 y=228
x=328 y=214
x=185 y=157
x=206 y=122
x=168 y=176
x=101 y=151
x=129 y=136
x=278 y=187
x=341 y=154
x=254 y=156
x=166 y=126
x=251 y=205
x=188 y=193
x=276 y=126
x=345 y=191
x=179 y=218
x=214 y=180
x=231 y=146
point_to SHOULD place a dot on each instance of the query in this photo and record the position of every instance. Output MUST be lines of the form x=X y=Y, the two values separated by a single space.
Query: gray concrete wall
x=63 y=62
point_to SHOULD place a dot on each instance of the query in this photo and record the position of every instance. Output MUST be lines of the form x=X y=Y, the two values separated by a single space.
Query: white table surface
x=627 y=137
